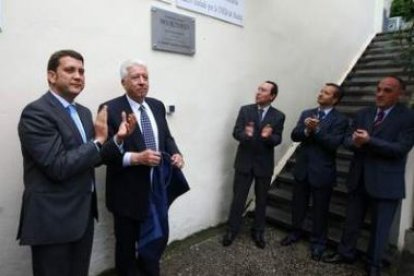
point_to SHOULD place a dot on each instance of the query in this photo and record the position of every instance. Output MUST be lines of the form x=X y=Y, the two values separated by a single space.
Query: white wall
x=299 y=44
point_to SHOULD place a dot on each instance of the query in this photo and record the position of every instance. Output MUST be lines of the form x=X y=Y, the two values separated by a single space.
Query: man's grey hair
x=129 y=63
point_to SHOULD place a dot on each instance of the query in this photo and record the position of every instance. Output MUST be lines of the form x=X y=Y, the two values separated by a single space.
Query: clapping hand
x=100 y=125
x=126 y=127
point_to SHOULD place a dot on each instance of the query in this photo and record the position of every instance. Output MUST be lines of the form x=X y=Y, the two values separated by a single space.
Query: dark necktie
x=147 y=131
x=379 y=118
x=321 y=115
x=261 y=114
x=76 y=119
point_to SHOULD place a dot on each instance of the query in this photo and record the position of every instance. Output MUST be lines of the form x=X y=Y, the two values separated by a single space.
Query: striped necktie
x=379 y=118
x=147 y=130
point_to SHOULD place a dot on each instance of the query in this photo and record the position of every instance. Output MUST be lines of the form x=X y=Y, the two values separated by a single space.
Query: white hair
x=129 y=63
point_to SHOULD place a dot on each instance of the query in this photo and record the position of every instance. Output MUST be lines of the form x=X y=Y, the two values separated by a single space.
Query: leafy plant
x=403 y=8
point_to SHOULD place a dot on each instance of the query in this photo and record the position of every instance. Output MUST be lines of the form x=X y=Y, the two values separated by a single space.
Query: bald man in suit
x=380 y=137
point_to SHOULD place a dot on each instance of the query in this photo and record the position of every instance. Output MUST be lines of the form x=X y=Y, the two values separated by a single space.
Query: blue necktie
x=76 y=119
x=260 y=114
x=321 y=115
x=147 y=131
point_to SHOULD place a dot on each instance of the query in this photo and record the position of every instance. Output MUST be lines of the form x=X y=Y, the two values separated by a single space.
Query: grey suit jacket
x=255 y=153
x=58 y=173
x=381 y=162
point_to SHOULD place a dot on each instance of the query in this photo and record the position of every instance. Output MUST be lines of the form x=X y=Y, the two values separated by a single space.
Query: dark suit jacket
x=58 y=173
x=127 y=188
x=381 y=162
x=255 y=153
x=315 y=156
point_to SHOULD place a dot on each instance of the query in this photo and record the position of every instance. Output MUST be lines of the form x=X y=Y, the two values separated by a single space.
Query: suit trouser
x=241 y=187
x=321 y=197
x=126 y=235
x=383 y=211
x=65 y=259
x=126 y=261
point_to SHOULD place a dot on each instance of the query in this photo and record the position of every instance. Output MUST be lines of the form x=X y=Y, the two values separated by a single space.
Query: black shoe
x=337 y=258
x=373 y=271
x=228 y=238
x=290 y=239
x=258 y=240
x=316 y=254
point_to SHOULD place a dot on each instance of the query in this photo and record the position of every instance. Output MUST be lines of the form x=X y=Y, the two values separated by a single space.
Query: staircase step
x=344 y=153
x=353 y=83
x=405 y=75
x=385 y=50
x=284 y=219
x=380 y=59
x=392 y=36
x=388 y=66
x=350 y=110
x=285 y=181
x=357 y=102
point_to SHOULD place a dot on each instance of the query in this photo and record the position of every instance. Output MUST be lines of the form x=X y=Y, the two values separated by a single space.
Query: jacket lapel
x=327 y=121
x=387 y=120
x=62 y=113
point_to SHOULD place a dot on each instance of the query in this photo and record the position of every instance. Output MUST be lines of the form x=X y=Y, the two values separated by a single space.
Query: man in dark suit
x=60 y=146
x=380 y=138
x=320 y=130
x=131 y=173
x=258 y=129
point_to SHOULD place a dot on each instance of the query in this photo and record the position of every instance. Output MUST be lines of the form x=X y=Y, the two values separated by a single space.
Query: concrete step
x=285 y=181
x=283 y=219
x=371 y=82
x=387 y=66
x=356 y=102
x=375 y=74
x=385 y=50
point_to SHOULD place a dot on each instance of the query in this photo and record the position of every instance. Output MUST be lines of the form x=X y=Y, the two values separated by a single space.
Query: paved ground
x=203 y=255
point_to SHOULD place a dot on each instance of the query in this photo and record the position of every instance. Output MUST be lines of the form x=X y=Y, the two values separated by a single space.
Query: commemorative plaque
x=172 y=32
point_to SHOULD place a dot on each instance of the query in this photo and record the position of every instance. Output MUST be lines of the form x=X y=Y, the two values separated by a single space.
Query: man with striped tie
x=380 y=137
x=133 y=173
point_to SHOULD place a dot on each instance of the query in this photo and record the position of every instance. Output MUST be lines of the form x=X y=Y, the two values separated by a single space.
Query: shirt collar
x=135 y=105
x=265 y=109
x=386 y=111
x=64 y=102
x=325 y=110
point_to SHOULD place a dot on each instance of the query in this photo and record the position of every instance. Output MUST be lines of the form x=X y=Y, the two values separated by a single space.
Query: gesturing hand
x=147 y=157
x=126 y=127
x=100 y=125
x=266 y=131
x=249 y=129
x=360 y=137
x=177 y=160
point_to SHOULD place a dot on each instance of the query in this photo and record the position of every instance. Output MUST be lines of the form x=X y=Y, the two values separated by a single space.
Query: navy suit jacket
x=381 y=162
x=315 y=156
x=128 y=188
x=256 y=154
x=58 y=173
